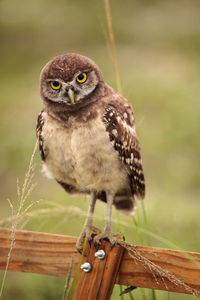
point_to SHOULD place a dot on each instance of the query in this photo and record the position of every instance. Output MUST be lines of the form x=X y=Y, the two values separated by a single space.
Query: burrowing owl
x=87 y=139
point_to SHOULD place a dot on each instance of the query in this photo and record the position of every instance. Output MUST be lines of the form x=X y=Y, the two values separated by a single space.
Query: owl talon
x=80 y=243
x=112 y=245
x=96 y=245
x=80 y=251
x=89 y=241
x=89 y=232
x=109 y=236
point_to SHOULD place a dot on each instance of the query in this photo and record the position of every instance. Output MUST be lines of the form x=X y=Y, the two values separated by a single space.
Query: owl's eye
x=81 y=78
x=55 y=85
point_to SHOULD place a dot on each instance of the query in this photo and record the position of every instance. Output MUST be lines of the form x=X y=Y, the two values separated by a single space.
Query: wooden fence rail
x=140 y=266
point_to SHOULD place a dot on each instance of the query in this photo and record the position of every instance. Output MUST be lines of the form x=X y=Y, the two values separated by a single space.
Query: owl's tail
x=125 y=204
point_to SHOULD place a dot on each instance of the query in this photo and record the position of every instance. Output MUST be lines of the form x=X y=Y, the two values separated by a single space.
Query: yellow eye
x=81 y=78
x=55 y=85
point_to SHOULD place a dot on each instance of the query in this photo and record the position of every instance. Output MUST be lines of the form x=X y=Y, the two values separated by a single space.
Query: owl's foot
x=88 y=232
x=109 y=236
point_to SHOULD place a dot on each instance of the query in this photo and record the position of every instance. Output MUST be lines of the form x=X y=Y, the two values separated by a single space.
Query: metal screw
x=100 y=254
x=86 y=267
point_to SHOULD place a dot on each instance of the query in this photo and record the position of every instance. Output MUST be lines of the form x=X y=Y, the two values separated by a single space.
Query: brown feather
x=127 y=145
x=40 y=124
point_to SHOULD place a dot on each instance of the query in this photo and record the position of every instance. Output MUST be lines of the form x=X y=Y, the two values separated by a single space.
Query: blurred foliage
x=158 y=47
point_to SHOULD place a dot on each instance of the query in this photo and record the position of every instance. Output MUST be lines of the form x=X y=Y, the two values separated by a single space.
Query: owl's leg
x=88 y=230
x=107 y=233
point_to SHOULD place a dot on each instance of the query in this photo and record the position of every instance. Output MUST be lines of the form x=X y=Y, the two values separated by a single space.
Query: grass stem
x=22 y=197
x=112 y=45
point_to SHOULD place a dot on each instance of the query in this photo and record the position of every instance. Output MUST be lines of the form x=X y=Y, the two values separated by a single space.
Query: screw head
x=100 y=254
x=86 y=267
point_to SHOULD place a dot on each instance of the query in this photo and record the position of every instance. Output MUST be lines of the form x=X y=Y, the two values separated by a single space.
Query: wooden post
x=99 y=282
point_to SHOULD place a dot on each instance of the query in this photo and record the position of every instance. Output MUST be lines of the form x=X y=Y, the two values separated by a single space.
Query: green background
x=158 y=49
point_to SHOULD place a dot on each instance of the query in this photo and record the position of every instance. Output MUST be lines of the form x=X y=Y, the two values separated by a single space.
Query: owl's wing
x=39 y=127
x=121 y=129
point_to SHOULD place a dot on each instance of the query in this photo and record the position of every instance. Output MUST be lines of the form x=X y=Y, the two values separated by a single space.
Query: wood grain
x=52 y=254
x=37 y=252
x=97 y=284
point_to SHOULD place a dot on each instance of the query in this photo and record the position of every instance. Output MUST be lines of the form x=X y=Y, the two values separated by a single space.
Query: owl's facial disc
x=71 y=92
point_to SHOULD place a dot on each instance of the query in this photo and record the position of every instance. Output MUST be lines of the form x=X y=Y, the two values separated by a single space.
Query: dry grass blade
x=41 y=213
x=22 y=194
x=112 y=45
x=156 y=270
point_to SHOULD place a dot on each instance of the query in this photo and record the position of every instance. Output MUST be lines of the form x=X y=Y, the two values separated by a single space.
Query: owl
x=87 y=140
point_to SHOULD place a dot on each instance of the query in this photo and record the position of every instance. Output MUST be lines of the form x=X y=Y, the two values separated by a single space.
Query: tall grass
x=22 y=208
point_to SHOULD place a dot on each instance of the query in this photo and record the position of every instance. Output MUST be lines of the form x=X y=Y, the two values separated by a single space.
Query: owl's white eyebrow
x=80 y=72
x=55 y=79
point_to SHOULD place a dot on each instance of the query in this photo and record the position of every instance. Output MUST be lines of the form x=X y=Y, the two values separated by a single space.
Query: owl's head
x=70 y=79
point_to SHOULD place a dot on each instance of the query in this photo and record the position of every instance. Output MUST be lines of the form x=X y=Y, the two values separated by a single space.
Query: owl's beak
x=71 y=95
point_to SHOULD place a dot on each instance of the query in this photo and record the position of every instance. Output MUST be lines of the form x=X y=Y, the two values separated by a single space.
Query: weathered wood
x=99 y=282
x=51 y=254
x=161 y=269
x=37 y=252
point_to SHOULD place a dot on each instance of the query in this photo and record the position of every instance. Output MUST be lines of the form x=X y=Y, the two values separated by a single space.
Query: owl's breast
x=84 y=157
x=59 y=162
